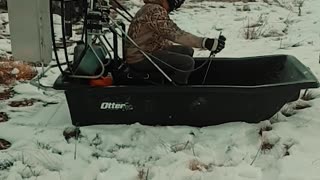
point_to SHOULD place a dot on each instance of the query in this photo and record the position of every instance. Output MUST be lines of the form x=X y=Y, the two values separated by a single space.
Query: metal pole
x=144 y=54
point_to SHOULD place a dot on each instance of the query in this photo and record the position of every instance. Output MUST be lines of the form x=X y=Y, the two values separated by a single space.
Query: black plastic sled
x=249 y=89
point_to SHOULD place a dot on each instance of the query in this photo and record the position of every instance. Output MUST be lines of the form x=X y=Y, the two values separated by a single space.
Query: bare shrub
x=289 y=5
x=299 y=3
x=179 y=147
x=143 y=175
x=284 y=4
x=310 y=95
x=255 y=30
x=5 y=164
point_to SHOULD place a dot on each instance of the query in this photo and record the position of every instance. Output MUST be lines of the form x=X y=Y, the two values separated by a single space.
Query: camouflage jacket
x=152 y=29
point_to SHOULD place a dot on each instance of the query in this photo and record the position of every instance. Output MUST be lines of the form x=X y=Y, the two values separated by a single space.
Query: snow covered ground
x=284 y=148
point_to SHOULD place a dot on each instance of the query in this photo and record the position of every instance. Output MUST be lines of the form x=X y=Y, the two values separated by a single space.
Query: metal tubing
x=54 y=40
x=146 y=55
x=68 y=17
x=123 y=26
x=121 y=7
x=64 y=36
x=115 y=44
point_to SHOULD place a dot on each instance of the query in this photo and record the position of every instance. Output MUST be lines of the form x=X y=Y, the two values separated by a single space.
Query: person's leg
x=181 y=49
x=163 y=59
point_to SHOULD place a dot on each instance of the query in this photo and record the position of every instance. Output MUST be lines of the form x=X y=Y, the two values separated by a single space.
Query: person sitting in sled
x=153 y=31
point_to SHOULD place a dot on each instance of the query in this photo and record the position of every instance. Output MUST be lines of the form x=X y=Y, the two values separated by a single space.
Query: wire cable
x=212 y=54
x=124 y=9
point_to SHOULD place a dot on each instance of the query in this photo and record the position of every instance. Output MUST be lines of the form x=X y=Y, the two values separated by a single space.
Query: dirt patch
x=6 y=94
x=266 y=146
x=3 y=117
x=4 y=144
x=22 y=103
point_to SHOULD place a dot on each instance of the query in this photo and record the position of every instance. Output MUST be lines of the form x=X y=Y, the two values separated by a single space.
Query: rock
x=71 y=132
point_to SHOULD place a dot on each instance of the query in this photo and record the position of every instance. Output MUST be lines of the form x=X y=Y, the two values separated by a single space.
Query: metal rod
x=84 y=34
x=211 y=56
x=148 y=58
x=36 y=80
x=115 y=44
x=54 y=39
x=64 y=36
x=107 y=41
x=105 y=48
x=121 y=14
x=211 y=59
x=121 y=7
x=68 y=18
x=123 y=26
x=92 y=4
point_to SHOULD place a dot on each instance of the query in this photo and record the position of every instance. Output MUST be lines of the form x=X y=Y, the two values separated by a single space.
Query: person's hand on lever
x=213 y=44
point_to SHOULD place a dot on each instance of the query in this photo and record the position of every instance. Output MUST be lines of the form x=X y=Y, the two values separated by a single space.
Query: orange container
x=101 y=82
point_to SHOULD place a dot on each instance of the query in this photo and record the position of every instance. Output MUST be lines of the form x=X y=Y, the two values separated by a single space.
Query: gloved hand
x=213 y=44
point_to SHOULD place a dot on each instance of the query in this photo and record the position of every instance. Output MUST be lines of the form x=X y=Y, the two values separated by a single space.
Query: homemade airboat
x=220 y=90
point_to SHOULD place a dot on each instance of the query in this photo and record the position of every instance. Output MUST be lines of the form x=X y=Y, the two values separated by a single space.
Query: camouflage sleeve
x=161 y=23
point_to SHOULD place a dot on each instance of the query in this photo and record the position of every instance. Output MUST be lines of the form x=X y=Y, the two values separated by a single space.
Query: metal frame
x=117 y=28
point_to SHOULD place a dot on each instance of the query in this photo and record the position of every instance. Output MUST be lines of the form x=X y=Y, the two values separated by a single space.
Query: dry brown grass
x=22 y=103
x=256 y=29
x=196 y=165
x=310 y=95
x=12 y=71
